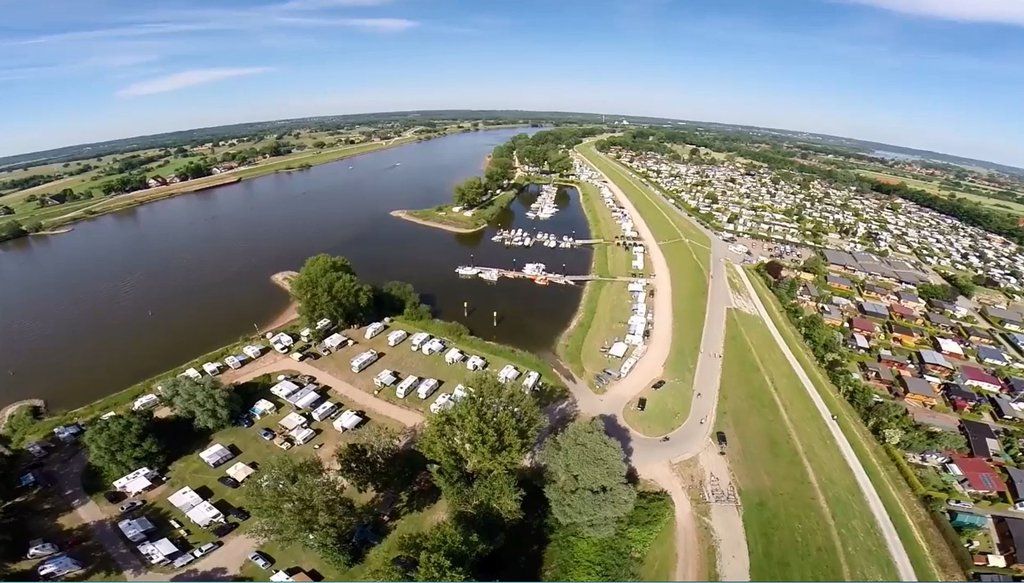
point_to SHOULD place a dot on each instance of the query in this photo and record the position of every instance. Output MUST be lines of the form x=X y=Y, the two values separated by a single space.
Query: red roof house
x=863 y=325
x=978 y=475
x=973 y=376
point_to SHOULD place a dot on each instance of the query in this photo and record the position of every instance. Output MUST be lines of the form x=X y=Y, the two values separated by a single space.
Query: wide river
x=128 y=295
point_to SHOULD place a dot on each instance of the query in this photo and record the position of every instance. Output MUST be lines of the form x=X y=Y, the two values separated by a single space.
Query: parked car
x=38 y=549
x=262 y=561
x=239 y=513
x=1019 y=506
x=267 y=434
x=114 y=496
x=658 y=384
x=183 y=560
x=130 y=505
x=222 y=530
x=229 y=482
x=245 y=421
x=205 y=549
x=720 y=438
x=960 y=504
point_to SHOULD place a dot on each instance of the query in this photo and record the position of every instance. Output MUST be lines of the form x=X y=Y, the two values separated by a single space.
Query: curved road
x=653 y=457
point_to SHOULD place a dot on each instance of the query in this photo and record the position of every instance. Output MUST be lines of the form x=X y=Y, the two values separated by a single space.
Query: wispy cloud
x=987 y=11
x=135 y=30
x=184 y=79
x=320 y=4
x=368 y=24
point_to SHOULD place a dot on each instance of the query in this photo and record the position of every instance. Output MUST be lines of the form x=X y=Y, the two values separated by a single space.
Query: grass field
x=442 y=216
x=687 y=252
x=605 y=306
x=925 y=545
x=938 y=189
x=796 y=488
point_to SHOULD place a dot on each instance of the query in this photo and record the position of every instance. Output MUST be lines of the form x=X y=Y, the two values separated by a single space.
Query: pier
x=535 y=272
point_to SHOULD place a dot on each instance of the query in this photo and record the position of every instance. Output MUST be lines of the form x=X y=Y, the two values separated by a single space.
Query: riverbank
x=283 y=280
x=411 y=216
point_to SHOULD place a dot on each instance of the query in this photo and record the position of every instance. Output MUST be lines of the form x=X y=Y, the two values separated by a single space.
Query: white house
x=395 y=337
x=216 y=455
x=138 y=481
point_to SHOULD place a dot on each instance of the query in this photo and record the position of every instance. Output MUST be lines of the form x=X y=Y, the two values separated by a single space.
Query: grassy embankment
x=605 y=305
x=405 y=361
x=687 y=253
x=928 y=551
x=804 y=515
x=56 y=216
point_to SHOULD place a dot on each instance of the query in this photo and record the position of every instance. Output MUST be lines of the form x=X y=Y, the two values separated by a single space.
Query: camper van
x=476 y=363
x=324 y=410
x=374 y=329
x=364 y=360
x=433 y=346
x=454 y=356
x=418 y=339
x=530 y=382
x=282 y=342
x=385 y=378
x=508 y=373
x=405 y=387
x=396 y=337
x=427 y=388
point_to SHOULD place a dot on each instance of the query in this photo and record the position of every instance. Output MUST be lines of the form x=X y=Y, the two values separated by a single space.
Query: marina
x=544 y=207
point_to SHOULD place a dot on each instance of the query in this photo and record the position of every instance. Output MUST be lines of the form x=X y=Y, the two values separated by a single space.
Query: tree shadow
x=617 y=431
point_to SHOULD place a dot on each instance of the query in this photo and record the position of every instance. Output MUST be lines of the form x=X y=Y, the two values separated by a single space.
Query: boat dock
x=533 y=271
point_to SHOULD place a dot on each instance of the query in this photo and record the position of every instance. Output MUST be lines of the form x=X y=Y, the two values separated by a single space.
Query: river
x=129 y=295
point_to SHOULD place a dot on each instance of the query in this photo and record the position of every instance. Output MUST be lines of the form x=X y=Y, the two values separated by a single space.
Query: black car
x=229 y=482
x=222 y=530
x=720 y=438
x=240 y=514
x=641 y=404
x=245 y=421
x=658 y=384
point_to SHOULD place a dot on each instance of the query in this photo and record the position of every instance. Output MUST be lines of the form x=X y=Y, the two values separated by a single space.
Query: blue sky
x=946 y=75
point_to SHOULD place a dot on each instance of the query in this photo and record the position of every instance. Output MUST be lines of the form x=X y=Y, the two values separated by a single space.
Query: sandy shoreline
x=404 y=214
x=283 y=280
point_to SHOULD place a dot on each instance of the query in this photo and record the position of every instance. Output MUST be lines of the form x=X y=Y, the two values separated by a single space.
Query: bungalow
x=981 y=438
x=1016 y=482
x=910 y=300
x=1007 y=319
x=905 y=335
x=976 y=475
x=904 y=313
x=1017 y=340
x=874 y=310
x=1004 y=408
x=943 y=306
x=859 y=342
x=896 y=361
x=877 y=292
x=919 y=391
x=839 y=282
x=864 y=326
x=934 y=363
x=832 y=316
x=960 y=398
x=949 y=347
x=1010 y=535
x=977 y=335
x=973 y=376
x=1015 y=386
x=877 y=374
x=991 y=356
x=934 y=419
x=939 y=321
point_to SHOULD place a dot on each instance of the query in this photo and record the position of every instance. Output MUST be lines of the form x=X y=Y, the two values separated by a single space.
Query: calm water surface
x=128 y=295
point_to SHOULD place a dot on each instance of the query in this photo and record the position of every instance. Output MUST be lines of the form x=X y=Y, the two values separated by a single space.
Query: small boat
x=488 y=275
x=467 y=271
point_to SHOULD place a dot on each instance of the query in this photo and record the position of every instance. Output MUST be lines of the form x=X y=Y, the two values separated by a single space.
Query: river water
x=128 y=295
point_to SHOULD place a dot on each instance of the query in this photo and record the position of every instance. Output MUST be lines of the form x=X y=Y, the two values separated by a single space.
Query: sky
x=944 y=75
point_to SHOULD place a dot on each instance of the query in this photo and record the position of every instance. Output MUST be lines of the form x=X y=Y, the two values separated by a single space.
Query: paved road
x=892 y=539
x=653 y=457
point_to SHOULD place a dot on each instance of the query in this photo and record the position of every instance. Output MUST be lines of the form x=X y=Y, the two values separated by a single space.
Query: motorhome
x=508 y=373
x=405 y=387
x=443 y=402
x=476 y=363
x=433 y=346
x=427 y=388
x=364 y=360
x=385 y=378
x=374 y=329
x=396 y=337
x=454 y=356
x=282 y=342
x=531 y=380
x=418 y=339
x=323 y=411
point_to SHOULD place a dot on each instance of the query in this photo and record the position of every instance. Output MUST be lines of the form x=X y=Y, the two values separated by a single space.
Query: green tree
x=470 y=192
x=123 y=443
x=377 y=461
x=208 y=403
x=816 y=265
x=294 y=501
x=447 y=552
x=586 y=479
x=327 y=287
x=478 y=446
